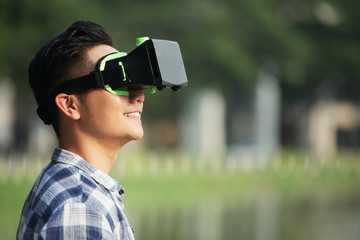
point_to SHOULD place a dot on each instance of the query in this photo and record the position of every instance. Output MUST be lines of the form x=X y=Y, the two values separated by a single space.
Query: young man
x=74 y=197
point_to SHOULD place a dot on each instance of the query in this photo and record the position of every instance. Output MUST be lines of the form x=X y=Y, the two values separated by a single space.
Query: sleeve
x=76 y=221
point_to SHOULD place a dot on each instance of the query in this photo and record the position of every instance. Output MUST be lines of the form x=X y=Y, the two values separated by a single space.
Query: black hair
x=60 y=59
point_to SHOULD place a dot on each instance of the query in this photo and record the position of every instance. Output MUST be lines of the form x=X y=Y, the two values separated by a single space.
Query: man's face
x=106 y=116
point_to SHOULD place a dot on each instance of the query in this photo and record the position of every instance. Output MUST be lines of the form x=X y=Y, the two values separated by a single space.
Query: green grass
x=12 y=197
x=187 y=189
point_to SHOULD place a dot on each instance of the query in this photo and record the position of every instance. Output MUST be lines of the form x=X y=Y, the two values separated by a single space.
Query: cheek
x=110 y=114
x=105 y=103
x=104 y=112
x=102 y=122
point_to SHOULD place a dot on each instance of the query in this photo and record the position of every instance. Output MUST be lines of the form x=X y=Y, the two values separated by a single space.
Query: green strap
x=116 y=92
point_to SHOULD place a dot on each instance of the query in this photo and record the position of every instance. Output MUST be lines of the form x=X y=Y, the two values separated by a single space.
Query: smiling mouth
x=133 y=115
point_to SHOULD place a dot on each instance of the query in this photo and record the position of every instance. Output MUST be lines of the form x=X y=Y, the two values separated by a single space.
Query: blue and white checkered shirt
x=71 y=199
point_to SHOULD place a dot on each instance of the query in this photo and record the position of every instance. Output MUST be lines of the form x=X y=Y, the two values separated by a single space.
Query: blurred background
x=262 y=144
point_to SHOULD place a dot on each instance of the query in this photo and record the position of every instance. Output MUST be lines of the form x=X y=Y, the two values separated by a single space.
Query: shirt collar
x=63 y=156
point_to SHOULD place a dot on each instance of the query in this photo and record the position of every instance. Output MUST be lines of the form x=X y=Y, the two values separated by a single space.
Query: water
x=267 y=215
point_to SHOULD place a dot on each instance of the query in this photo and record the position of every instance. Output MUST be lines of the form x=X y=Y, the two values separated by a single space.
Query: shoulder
x=58 y=179
x=77 y=221
x=57 y=184
x=69 y=221
x=64 y=193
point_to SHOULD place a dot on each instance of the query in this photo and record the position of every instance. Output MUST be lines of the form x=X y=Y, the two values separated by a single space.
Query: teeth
x=134 y=114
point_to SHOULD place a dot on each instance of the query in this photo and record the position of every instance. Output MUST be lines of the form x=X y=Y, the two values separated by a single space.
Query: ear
x=68 y=105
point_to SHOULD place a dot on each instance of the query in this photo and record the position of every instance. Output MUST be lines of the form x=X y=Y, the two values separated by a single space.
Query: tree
x=25 y=25
x=223 y=42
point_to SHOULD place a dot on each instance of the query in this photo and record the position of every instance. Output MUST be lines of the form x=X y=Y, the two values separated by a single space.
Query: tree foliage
x=223 y=42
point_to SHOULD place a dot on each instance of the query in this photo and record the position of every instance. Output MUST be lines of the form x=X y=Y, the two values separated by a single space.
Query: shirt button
x=121 y=192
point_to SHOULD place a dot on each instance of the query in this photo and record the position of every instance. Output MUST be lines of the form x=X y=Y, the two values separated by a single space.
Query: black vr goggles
x=155 y=64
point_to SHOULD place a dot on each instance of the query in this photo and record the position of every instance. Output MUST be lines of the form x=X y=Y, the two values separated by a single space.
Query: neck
x=96 y=152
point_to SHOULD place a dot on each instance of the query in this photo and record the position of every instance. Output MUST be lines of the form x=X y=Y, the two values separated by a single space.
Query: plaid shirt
x=71 y=199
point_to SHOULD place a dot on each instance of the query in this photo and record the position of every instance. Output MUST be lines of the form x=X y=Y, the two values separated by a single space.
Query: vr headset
x=155 y=64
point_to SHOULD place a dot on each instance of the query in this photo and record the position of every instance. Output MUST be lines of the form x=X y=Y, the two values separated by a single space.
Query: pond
x=266 y=215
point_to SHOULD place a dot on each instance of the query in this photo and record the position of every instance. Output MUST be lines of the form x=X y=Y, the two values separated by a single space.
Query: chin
x=137 y=135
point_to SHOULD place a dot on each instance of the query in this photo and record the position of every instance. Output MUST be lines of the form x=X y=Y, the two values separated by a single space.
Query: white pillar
x=203 y=124
x=267 y=115
x=7 y=106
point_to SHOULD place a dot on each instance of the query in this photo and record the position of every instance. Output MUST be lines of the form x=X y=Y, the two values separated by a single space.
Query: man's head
x=98 y=113
x=62 y=58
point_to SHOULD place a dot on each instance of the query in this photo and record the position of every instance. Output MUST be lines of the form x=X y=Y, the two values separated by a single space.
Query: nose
x=136 y=96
